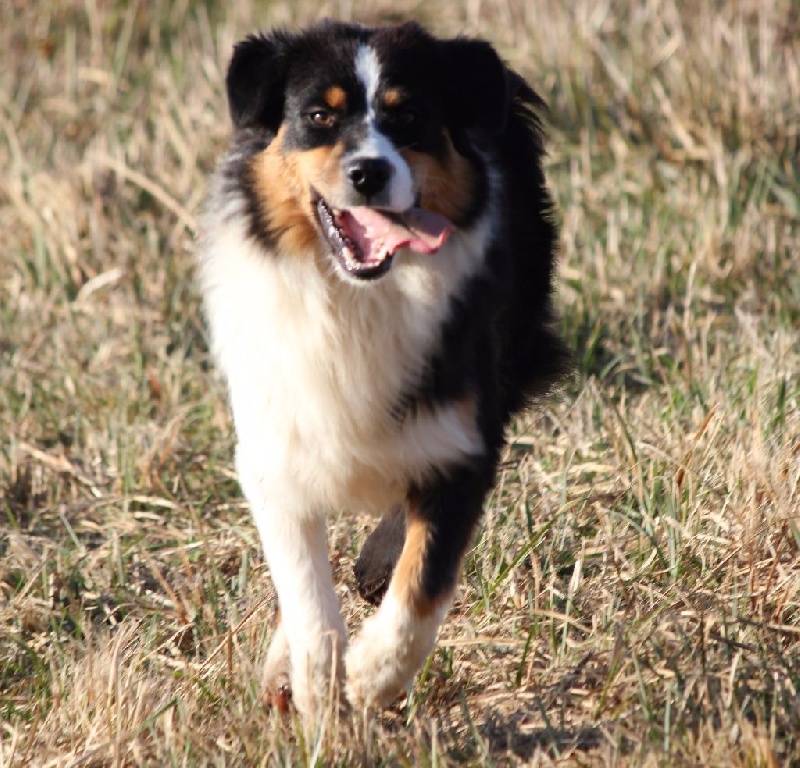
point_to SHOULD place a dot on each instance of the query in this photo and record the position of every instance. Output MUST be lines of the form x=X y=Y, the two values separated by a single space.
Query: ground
x=632 y=598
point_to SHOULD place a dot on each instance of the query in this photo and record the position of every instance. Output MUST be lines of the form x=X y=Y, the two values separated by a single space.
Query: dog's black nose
x=369 y=175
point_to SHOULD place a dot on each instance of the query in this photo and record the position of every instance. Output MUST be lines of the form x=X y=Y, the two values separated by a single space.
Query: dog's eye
x=322 y=118
x=406 y=116
x=402 y=116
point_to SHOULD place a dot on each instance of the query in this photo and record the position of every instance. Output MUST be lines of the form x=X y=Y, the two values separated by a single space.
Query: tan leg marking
x=406 y=583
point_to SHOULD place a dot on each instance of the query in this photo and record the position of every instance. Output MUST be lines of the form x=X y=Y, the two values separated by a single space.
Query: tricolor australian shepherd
x=377 y=267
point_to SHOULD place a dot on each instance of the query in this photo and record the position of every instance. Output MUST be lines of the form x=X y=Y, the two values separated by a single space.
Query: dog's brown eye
x=322 y=118
x=406 y=117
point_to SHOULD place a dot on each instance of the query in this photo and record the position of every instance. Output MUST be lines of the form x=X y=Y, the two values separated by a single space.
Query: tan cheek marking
x=282 y=183
x=335 y=97
x=468 y=411
x=446 y=186
x=321 y=169
x=283 y=200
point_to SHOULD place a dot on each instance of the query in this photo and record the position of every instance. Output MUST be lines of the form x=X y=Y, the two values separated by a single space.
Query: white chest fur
x=315 y=364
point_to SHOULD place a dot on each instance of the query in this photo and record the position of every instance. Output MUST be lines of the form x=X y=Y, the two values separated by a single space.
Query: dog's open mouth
x=364 y=240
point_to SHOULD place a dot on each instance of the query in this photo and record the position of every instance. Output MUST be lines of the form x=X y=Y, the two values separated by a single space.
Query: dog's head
x=360 y=141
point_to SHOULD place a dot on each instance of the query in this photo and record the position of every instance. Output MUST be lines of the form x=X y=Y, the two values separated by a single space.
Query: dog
x=377 y=265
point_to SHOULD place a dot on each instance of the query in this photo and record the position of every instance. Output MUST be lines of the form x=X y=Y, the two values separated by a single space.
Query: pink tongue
x=378 y=236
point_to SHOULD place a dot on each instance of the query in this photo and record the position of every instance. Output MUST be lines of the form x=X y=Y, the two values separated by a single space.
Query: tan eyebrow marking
x=335 y=97
x=393 y=97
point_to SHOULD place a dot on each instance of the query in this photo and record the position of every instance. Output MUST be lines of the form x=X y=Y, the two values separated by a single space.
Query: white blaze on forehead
x=377 y=144
x=368 y=70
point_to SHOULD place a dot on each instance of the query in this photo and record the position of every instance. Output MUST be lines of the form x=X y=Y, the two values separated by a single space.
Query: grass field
x=634 y=595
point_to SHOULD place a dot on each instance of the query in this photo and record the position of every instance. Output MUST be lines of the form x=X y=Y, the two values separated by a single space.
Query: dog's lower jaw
x=389 y=650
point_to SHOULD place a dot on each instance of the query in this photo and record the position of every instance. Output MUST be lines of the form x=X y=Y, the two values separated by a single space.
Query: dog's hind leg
x=379 y=555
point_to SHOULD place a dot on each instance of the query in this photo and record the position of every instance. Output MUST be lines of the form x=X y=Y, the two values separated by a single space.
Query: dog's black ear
x=476 y=87
x=255 y=81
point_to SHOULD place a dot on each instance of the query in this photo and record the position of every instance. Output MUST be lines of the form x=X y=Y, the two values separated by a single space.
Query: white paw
x=392 y=645
x=308 y=676
x=316 y=673
x=277 y=672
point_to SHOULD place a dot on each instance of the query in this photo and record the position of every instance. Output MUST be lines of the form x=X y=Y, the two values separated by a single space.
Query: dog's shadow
x=508 y=730
x=511 y=734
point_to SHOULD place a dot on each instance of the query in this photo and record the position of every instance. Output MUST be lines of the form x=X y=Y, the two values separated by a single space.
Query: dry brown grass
x=633 y=596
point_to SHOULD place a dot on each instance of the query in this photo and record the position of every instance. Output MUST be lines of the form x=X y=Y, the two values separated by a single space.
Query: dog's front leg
x=311 y=630
x=395 y=641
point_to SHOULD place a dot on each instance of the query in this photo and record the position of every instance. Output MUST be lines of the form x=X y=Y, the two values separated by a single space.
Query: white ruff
x=314 y=366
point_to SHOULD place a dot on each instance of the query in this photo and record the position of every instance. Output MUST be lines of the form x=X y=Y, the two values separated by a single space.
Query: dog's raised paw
x=375 y=565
